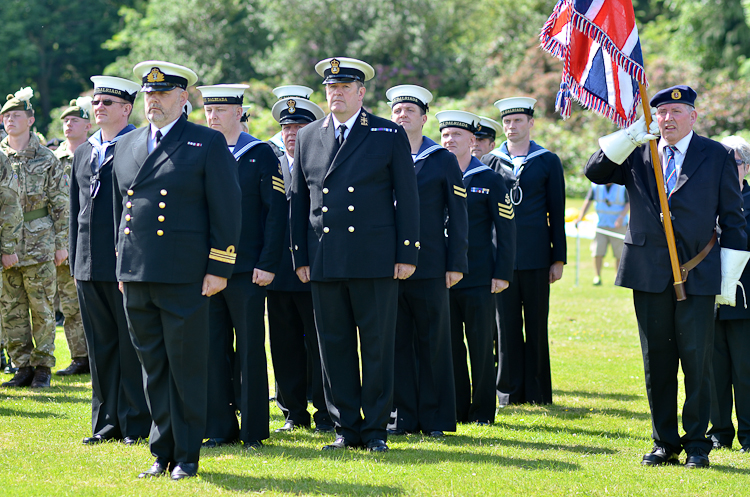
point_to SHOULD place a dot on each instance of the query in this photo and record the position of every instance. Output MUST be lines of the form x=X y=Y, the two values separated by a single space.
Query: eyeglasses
x=106 y=103
x=739 y=162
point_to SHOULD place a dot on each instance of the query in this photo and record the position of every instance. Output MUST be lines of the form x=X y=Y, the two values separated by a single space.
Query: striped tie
x=671 y=172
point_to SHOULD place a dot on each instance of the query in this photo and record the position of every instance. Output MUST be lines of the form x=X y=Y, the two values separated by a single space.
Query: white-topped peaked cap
x=117 y=87
x=516 y=105
x=223 y=94
x=292 y=91
x=296 y=110
x=488 y=128
x=457 y=119
x=158 y=75
x=409 y=93
x=344 y=70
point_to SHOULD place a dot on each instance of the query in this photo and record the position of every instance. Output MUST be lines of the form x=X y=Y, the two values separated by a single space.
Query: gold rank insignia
x=506 y=210
x=479 y=127
x=335 y=66
x=461 y=192
x=228 y=256
x=363 y=119
x=507 y=198
x=291 y=106
x=676 y=95
x=155 y=76
x=278 y=184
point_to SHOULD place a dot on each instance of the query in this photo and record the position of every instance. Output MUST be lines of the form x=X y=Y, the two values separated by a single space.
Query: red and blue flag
x=598 y=42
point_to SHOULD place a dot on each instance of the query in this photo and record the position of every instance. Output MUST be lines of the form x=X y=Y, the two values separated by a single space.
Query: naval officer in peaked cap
x=354 y=243
x=237 y=313
x=291 y=324
x=424 y=397
x=178 y=215
x=485 y=136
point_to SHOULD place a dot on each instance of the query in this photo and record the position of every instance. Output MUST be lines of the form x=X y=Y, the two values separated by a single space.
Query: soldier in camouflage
x=30 y=285
x=76 y=125
x=11 y=217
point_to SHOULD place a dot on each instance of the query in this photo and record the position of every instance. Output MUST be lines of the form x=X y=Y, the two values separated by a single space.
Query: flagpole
x=679 y=283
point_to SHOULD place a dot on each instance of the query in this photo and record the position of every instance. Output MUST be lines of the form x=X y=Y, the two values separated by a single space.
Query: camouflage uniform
x=66 y=286
x=30 y=285
x=11 y=217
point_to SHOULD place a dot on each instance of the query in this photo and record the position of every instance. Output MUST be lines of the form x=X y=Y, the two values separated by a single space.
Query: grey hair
x=739 y=145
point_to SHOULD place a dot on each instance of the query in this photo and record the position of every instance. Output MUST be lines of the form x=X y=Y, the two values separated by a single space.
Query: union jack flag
x=598 y=42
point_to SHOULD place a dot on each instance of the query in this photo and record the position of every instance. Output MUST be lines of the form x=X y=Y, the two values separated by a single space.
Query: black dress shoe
x=377 y=445
x=482 y=423
x=696 y=458
x=340 y=443
x=434 y=433
x=718 y=445
x=396 y=431
x=159 y=468
x=290 y=426
x=23 y=378
x=659 y=456
x=319 y=428
x=42 y=377
x=217 y=442
x=132 y=441
x=96 y=439
x=185 y=470
x=253 y=444
x=79 y=365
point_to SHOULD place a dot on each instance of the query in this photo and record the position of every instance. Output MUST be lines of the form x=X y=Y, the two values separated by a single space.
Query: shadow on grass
x=730 y=469
x=625 y=397
x=458 y=440
x=578 y=431
x=569 y=412
x=5 y=411
x=247 y=484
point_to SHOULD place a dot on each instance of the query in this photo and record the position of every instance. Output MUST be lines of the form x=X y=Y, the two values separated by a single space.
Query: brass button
x=324 y=209
x=296 y=247
x=351 y=229
x=130 y=192
x=126 y=231
x=351 y=189
x=326 y=230
x=163 y=193
x=127 y=217
x=325 y=190
x=406 y=242
x=162 y=205
x=129 y=204
x=161 y=219
x=416 y=244
x=351 y=208
x=159 y=232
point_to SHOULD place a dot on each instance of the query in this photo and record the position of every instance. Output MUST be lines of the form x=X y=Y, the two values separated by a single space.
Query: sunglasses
x=106 y=102
x=739 y=162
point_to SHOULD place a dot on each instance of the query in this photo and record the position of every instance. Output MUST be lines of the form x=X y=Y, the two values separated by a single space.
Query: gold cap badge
x=335 y=66
x=676 y=95
x=291 y=106
x=155 y=76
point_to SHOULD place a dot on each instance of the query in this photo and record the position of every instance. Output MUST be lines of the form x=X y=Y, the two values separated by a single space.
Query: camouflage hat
x=21 y=100
x=79 y=107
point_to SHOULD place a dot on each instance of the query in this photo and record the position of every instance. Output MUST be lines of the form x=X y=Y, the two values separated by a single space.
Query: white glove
x=620 y=144
x=732 y=264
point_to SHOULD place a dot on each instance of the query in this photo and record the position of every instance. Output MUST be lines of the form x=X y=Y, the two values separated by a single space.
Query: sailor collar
x=475 y=167
x=426 y=149
x=502 y=153
x=245 y=142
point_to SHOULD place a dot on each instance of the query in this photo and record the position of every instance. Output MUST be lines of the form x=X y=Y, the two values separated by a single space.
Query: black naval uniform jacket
x=286 y=279
x=92 y=241
x=707 y=187
x=492 y=229
x=178 y=208
x=539 y=204
x=344 y=223
x=441 y=192
x=739 y=311
x=264 y=209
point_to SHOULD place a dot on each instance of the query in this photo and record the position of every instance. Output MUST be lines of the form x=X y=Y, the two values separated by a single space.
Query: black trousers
x=672 y=334
x=169 y=327
x=118 y=402
x=471 y=312
x=240 y=378
x=523 y=360
x=342 y=308
x=424 y=396
x=294 y=342
x=731 y=371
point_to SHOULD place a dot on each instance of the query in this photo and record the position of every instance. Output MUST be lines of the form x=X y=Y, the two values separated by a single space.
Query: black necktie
x=342 y=129
x=158 y=136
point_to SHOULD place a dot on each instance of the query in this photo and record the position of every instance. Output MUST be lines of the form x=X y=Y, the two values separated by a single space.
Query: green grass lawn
x=589 y=442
